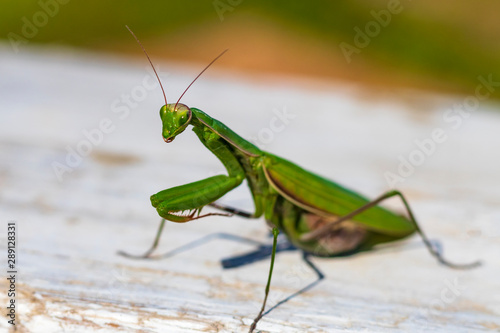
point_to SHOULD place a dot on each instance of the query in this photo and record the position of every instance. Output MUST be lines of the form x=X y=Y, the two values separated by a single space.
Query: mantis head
x=175 y=118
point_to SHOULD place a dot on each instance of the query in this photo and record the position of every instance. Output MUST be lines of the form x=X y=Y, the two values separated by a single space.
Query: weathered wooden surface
x=71 y=279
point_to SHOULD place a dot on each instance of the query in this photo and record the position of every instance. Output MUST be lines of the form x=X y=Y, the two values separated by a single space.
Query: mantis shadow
x=264 y=251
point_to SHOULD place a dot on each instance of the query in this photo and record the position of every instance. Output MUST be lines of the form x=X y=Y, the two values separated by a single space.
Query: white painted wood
x=71 y=279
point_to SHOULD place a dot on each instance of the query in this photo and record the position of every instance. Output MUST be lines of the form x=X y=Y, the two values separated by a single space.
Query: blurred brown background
x=426 y=44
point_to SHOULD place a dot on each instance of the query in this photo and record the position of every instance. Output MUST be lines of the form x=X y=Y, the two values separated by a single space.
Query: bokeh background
x=426 y=44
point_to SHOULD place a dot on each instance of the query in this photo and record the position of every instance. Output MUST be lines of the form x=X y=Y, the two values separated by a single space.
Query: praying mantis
x=318 y=216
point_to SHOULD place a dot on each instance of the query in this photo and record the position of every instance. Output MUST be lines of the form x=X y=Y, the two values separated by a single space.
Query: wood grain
x=69 y=230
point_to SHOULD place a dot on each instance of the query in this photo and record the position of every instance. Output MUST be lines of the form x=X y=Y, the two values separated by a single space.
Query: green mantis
x=317 y=215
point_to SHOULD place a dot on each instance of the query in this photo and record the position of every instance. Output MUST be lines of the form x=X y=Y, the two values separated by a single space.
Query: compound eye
x=183 y=114
x=163 y=111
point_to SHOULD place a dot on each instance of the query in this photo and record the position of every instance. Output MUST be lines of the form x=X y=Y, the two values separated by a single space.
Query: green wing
x=326 y=198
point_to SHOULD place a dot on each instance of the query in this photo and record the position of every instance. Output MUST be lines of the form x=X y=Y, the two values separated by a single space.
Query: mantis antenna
x=196 y=78
x=159 y=81
x=142 y=47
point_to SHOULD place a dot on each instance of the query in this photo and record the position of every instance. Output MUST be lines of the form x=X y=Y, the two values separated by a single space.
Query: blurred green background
x=436 y=45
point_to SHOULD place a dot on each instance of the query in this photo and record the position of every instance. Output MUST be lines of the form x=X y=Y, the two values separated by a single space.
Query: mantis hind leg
x=432 y=249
